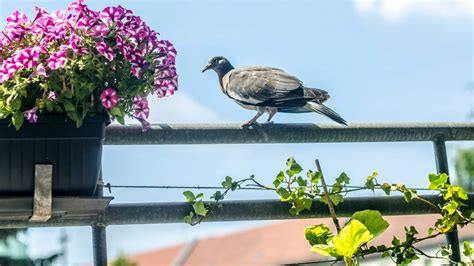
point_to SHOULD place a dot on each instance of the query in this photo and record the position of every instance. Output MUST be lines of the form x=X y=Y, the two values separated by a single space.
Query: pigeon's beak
x=208 y=66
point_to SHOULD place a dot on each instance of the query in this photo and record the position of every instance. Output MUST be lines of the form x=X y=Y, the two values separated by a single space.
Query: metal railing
x=173 y=212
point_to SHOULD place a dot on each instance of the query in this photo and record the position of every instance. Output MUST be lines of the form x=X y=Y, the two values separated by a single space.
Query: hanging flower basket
x=63 y=76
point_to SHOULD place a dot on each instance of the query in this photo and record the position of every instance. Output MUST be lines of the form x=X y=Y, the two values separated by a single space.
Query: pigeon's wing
x=268 y=86
x=255 y=85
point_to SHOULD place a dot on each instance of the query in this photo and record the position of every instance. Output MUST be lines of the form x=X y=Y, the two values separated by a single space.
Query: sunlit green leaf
x=437 y=181
x=318 y=234
x=200 y=208
x=468 y=250
x=189 y=196
x=293 y=167
x=351 y=237
x=373 y=221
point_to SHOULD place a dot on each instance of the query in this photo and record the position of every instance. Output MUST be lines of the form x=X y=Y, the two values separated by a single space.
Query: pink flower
x=109 y=98
x=52 y=96
x=145 y=124
x=39 y=71
x=105 y=50
x=112 y=13
x=17 y=18
x=140 y=107
x=31 y=115
x=28 y=58
x=57 y=60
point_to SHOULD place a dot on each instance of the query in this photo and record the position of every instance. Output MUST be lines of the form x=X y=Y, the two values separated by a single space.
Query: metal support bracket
x=43 y=195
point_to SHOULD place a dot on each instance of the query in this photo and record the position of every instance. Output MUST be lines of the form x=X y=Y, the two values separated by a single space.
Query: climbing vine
x=351 y=241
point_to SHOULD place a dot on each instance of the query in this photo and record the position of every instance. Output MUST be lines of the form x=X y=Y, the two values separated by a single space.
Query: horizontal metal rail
x=287 y=133
x=242 y=210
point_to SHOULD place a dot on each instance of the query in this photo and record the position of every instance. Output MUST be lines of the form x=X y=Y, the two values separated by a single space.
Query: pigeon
x=269 y=90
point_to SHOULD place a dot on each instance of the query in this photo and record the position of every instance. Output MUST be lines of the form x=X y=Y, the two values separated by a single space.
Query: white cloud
x=394 y=10
x=178 y=108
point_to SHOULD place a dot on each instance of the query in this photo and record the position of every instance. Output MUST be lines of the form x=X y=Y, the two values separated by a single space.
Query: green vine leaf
x=228 y=182
x=279 y=179
x=437 y=181
x=373 y=221
x=468 y=250
x=293 y=167
x=351 y=238
x=386 y=187
x=189 y=218
x=343 y=179
x=325 y=250
x=200 y=208
x=335 y=198
x=318 y=234
x=189 y=196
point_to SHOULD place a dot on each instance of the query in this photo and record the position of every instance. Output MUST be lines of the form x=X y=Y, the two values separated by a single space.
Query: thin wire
x=214 y=187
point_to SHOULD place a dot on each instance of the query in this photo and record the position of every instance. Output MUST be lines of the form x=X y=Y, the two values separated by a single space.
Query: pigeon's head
x=219 y=64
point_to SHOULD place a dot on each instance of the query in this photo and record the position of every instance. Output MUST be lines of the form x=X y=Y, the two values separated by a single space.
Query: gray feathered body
x=273 y=90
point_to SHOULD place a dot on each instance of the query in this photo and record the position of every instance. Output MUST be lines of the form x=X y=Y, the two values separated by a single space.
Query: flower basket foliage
x=80 y=63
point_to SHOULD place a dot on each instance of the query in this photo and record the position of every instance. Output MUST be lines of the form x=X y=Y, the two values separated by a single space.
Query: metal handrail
x=287 y=133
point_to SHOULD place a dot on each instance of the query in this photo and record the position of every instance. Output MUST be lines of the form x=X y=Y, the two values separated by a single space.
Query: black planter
x=75 y=153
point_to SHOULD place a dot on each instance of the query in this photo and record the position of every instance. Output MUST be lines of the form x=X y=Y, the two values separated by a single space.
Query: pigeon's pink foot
x=248 y=124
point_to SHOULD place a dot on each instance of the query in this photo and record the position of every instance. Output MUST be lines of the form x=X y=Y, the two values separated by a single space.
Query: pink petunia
x=17 y=18
x=109 y=98
x=39 y=71
x=57 y=60
x=31 y=115
x=140 y=107
x=52 y=96
x=105 y=50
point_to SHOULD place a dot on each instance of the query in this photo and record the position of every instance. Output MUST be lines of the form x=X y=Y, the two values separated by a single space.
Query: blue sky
x=381 y=61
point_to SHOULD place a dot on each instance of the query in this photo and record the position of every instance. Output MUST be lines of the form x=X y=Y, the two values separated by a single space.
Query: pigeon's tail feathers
x=318 y=94
x=324 y=110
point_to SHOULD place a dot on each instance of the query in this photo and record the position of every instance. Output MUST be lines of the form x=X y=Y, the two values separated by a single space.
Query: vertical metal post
x=442 y=167
x=99 y=240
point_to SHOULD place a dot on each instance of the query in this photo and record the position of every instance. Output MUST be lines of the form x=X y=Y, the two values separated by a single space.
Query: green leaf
x=343 y=178
x=454 y=191
x=451 y=207
x=279 y=179
x=468 y=250
x=120 y=119
x=437 y=181
x=68 y=106
x=293 y=167
x=200 y=208
x=409 y=194
x=227 y=183
x=373 y=221
x=446 y=251
x=217 y=196
x=189 y=196
x=351 y=237
x=116 y=111
x=370 y=184
x=18 y=119
x=301 y=182
x=284 y=194
x=314 y=177
x=325 y=250
x=386 y=187
x=318 y=234
x=199 y=196
x=335 y=198
x=189 y=218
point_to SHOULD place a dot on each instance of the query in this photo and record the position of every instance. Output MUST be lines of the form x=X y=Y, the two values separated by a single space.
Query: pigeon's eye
x=215 y=60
